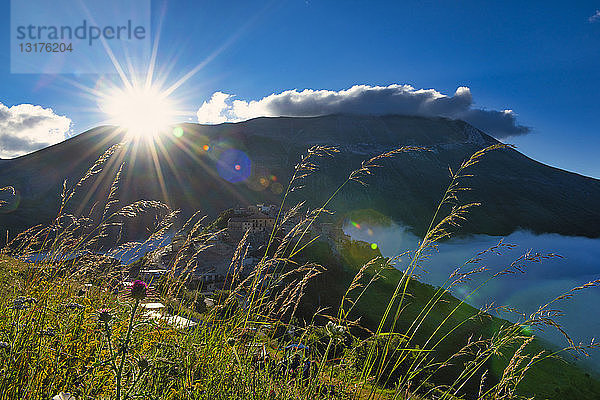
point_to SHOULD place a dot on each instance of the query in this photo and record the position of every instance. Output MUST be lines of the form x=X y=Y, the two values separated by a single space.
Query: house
x=208 y=280
x=262 y=208
x=152 y=275
x=253 y=223
x=240 y=210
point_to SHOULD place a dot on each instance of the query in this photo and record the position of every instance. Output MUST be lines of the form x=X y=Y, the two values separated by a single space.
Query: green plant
x=360 y=327
x=137 y=293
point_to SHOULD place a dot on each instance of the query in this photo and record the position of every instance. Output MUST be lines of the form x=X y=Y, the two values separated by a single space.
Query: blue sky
x=539 y=59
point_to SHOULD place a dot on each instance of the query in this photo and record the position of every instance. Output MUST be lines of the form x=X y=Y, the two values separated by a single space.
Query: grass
x=551 y=378
x=371 y=331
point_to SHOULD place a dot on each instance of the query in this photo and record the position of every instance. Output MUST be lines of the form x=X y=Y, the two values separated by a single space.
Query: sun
x=144 y=112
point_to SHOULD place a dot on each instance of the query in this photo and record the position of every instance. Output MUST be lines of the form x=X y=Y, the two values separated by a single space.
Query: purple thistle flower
x=139 y=290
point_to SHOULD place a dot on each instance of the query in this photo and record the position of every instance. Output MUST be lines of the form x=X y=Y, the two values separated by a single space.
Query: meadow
x=309 y=321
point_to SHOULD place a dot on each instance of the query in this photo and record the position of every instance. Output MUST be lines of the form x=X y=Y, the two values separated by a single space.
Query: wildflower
x=63 y=396
x=139 y=290
x=333 y=330
x=104 y=316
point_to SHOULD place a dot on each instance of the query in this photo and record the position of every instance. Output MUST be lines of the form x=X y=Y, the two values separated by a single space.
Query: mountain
x=516 y=192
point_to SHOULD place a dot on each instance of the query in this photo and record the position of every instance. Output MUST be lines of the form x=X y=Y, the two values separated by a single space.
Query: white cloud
x=362 y=99
x=216 y=110
x=595 y=17
x=26 y=127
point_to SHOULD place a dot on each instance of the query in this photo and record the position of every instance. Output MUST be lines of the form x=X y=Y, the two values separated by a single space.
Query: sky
x=526 y=72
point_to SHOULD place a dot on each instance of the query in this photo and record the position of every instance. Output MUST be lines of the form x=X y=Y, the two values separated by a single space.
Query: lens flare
x=277 y=188
x=10 y=200
x=234 y=166
x=355 y=224
x=178 y=132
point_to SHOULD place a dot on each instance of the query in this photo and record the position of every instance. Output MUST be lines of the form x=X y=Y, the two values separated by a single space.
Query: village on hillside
x=211 y=258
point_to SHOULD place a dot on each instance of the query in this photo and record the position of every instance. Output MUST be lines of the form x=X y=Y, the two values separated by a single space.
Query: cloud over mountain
x=26 y=127
x=366 y=100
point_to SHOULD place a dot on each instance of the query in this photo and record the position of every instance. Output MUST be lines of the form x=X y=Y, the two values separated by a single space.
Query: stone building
x=253 y=223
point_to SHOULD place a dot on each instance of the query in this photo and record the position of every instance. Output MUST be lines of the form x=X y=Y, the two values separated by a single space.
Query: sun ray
x=152 y=63
x=232 y=39
x=109 y=52
x=159 y=173
x=108 y=171
x=163 y=151
x=186 y=146
x=140 y=102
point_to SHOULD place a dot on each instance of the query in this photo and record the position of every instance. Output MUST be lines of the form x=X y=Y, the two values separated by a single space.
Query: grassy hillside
x=309 y=320
x=54 y=341
x=552 y=378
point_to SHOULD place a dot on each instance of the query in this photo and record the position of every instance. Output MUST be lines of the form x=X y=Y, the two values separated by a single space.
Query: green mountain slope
x=516 y=191
x=552 y=378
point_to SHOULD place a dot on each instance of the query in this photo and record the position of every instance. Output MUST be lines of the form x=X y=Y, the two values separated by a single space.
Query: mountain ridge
x=517 y=192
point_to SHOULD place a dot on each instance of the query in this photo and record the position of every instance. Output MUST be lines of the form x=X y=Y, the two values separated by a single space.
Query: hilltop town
x=211 y=253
